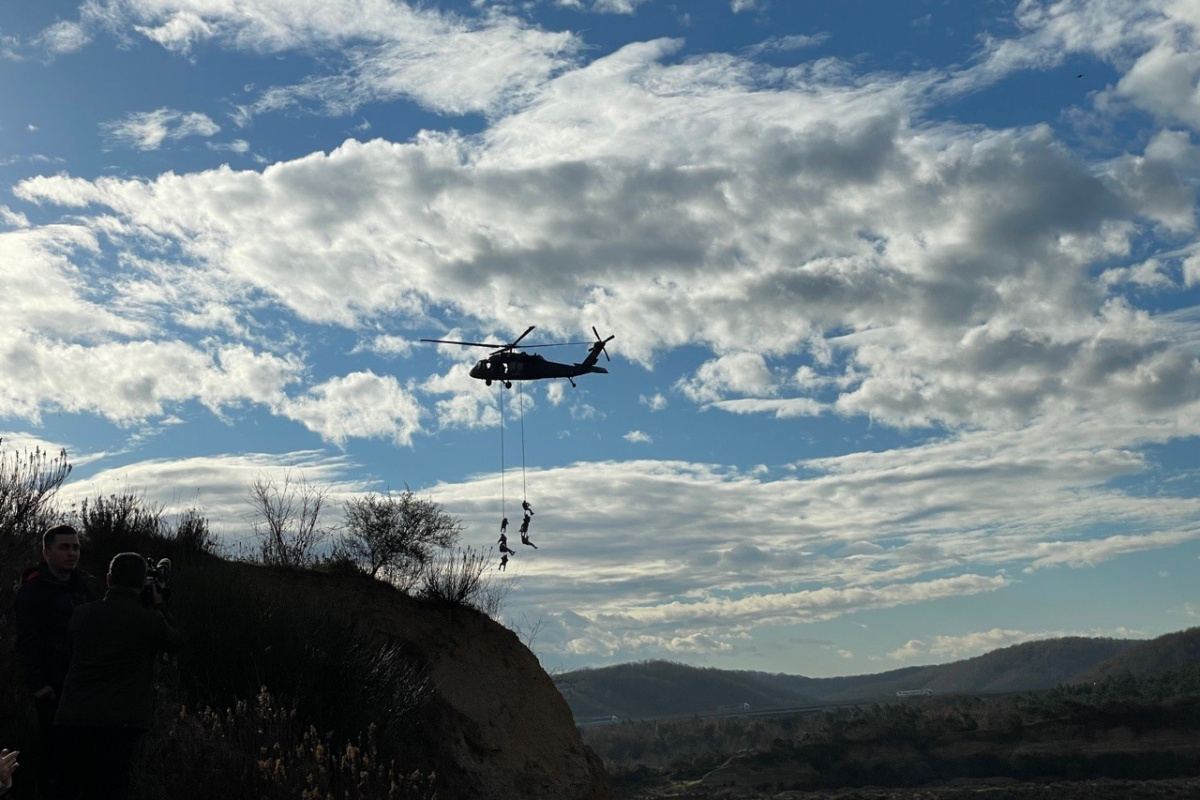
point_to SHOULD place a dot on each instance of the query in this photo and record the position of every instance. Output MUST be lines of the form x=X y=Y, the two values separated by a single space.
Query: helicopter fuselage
x=517 y=366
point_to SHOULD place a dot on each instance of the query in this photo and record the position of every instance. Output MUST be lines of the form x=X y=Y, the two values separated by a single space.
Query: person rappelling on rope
x=504 y=562
x=503 y=542
x=503 y=526
x=525 y=506
x=525 y=532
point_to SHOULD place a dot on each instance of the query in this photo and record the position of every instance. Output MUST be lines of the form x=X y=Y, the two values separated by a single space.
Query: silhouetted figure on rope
x=503 y=542
x=504 y=562
x=525 y=540
x=525 y=506
x=503 y=526
x=524 y=529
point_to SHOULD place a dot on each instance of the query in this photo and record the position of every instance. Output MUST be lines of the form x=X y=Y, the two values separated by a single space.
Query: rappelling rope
x=522 y=402
x=503 y=504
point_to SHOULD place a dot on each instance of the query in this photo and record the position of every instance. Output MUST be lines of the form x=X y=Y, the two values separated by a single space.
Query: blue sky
x=906 y=298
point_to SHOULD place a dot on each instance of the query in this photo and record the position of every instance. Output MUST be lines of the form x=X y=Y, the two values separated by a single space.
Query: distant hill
x=664 y=688
x=1027 y=666
x=661 y=688
x=1168 y=652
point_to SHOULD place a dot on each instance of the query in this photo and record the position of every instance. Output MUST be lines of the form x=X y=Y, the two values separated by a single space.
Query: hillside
x=1031 y=665
x=663 y=688
x=1167 y=652
x=490 y=723
x=348 y=687
x=658 y=688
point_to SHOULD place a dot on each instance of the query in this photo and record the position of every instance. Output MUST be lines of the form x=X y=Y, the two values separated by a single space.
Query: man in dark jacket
x=108 y=699
x=44 y=606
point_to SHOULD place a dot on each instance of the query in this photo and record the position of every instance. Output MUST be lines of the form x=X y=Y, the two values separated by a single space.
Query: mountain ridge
x=664 y=688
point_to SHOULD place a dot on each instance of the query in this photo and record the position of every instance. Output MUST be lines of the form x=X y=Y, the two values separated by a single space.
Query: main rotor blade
x=469 y=344
x=553 y=344
x=522 y=336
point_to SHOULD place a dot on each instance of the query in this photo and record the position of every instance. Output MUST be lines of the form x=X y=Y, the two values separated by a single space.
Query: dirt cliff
x=495 y=726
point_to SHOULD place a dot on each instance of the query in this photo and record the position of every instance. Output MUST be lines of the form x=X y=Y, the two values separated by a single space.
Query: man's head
x=60 y=549
x=127 y=570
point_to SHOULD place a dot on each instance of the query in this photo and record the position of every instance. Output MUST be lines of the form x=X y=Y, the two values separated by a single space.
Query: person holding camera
x=44 y=605
x=108 y=699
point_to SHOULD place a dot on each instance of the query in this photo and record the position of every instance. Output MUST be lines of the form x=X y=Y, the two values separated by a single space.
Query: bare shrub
x=28 y=482
x=286 y=519
x=395 y=536
x=192 y=535
x=528 y=630
x=120 y=523
x=463 y=579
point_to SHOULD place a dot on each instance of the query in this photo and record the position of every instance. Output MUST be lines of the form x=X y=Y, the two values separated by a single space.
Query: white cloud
x=386 y=344
x=787 y=43
x=970 y=304
x=638 y=437
x=655 y=402
x=14 y=219
x=742 y=373
x=1147 y=40
x=147 y=130
x=179 y=31
x=361 y=405
x=1191 y=271
x=781 y=409
x=383 y=51
x=61 y=38
x=127 y=382
x=239 y=146
x=42 y=291
x=614 y=6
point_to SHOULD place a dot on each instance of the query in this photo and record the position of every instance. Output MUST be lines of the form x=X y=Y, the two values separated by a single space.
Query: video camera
x=158 y=575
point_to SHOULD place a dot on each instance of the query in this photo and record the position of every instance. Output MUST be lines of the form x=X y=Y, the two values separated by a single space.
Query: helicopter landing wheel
x=487 y=382
x=508 y=384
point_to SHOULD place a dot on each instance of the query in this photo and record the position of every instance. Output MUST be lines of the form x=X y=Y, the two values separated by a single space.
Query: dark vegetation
x=1120 y=728
x=278 y=695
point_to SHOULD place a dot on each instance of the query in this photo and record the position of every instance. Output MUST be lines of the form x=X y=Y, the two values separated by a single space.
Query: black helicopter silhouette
x=509 y=364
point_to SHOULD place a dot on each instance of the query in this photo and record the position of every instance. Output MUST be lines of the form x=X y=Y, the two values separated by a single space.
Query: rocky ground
x=1177 y=789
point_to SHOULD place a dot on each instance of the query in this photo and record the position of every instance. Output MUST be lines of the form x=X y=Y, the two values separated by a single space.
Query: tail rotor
x=601 y=342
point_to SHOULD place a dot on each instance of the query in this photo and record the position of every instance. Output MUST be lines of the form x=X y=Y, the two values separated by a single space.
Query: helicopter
x=508 y=363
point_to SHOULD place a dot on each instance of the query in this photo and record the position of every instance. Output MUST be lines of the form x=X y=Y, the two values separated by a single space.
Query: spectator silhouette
x=108 y=698
x=44 y=605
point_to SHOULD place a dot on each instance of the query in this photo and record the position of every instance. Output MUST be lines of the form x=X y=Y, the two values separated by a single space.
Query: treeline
x=279 y=694
x=906 y=740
